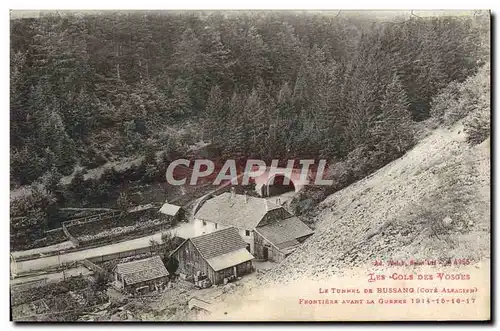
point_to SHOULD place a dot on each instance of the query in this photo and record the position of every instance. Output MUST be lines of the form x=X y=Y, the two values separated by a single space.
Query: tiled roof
x=218 y=243
x=169 y=209
x=142 y=270
x=284 y=233
x=238 y=210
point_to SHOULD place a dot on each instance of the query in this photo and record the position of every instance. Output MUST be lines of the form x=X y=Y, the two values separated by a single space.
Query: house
x=248 y=214
x=233 y=210
x=141 y=275
x=176 y=213
x=276 y=240
x=217 y=255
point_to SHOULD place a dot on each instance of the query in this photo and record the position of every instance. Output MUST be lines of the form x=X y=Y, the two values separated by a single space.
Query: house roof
x=244 y=212
x=284 y=233
x=221 y=249
x=169 y=209
x=218 y=243
x=230 y=259
x=142 y=270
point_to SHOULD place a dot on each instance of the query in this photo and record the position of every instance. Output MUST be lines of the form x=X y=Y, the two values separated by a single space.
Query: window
x=204 y=223
x=247 y=233
x=215 y=226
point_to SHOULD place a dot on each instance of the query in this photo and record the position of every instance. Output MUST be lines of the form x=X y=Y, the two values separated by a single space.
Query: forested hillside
x=95 y=87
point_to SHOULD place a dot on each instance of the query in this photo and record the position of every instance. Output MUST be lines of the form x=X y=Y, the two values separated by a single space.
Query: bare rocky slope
x=434 y=202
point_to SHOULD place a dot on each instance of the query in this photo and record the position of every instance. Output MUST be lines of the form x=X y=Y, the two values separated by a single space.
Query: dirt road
x=47 y=249
x=53 y=277
x=185 y=230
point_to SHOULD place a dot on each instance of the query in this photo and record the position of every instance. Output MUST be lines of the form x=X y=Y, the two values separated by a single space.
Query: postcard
x=250 y=165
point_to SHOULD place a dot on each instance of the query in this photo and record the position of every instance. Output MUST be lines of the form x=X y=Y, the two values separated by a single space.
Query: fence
x=85 y=220
x=70 y=237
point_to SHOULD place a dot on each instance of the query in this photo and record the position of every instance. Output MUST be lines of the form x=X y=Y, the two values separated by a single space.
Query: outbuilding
x=275 y=240
x=216 y=256
x=141 y=275
x=174 y=212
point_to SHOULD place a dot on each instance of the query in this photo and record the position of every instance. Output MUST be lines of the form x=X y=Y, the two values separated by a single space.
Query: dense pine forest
x=96 y=87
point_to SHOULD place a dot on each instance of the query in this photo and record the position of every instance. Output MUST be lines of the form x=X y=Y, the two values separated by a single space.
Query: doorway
x=265 y=252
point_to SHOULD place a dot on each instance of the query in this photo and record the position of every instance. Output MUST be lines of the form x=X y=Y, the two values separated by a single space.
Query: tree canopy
x=87 y=88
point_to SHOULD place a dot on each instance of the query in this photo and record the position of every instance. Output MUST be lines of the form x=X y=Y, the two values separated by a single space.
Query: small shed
x=175 y=212
x=217 y=255
x=141 y=275
x=276 y=240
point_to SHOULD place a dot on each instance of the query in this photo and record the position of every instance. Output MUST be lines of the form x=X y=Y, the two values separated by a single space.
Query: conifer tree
x=392 y=129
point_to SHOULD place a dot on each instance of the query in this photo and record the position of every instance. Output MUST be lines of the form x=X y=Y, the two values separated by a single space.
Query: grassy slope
x=398 y=211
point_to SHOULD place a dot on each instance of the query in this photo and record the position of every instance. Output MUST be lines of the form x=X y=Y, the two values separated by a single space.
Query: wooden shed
x=277 y=239
x=217 y=255
x=141 y=275
x=174 y=212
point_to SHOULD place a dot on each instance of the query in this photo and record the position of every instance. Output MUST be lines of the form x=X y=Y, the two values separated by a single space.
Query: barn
x=141 y=275
x=217 y=255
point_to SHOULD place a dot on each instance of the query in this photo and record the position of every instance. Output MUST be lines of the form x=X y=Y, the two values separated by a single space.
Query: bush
x=98 y=190
x=92 y=159
x=49 y=290
x=477 y=126
x=111 y=176
x=449 y=98
x=171 y=264
x=100 y=282
x=459 y=100
x=29 y=216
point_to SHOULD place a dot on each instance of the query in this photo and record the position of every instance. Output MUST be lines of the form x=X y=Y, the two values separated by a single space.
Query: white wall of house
x=203 y=227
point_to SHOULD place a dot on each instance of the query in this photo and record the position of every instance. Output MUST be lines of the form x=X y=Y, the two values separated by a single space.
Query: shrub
x=458 y=100
x=449 y=98
x=100 y=282
x=477 y=126
x=171 y=264
x=167 y=239
x=29 y=216
x=123 y=201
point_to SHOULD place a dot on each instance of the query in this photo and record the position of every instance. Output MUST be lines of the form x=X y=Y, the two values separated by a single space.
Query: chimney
x=233 y=193
x=246 y=197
